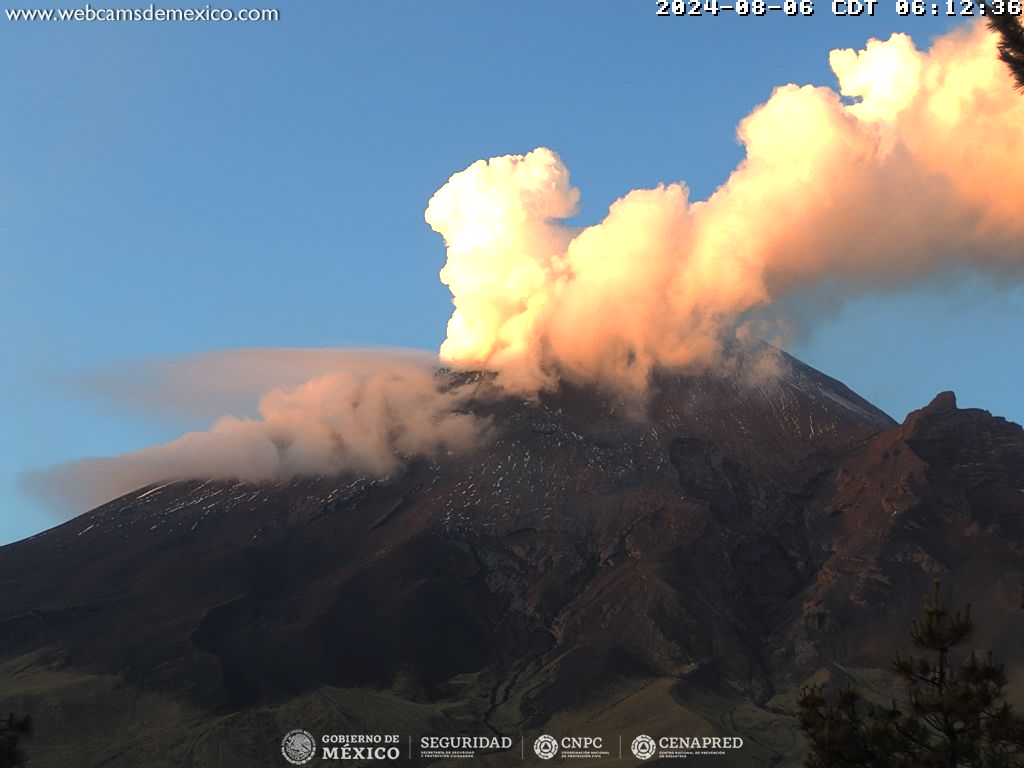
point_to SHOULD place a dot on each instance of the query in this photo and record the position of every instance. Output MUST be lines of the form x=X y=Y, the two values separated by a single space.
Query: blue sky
x=167 y=189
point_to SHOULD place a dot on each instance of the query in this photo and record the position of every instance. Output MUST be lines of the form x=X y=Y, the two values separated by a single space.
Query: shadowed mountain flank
x=586 y=571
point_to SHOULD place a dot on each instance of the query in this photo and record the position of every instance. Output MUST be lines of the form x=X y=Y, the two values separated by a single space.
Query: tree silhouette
x=952 y=716
x=1011 y=39
x=12 y=730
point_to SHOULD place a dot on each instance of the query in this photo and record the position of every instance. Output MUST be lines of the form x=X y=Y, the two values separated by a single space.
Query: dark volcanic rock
x=585 y=572
x=941 y=498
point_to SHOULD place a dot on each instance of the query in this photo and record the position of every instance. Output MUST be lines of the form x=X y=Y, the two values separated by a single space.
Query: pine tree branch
x=1011 y=41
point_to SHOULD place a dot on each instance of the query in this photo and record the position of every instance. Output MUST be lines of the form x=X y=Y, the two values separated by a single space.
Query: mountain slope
x=585 y=571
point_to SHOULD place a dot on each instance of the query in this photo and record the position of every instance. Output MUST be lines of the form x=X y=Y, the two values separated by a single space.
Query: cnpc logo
x=547 y=746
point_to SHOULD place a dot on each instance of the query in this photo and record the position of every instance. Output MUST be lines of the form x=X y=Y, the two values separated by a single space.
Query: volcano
x=588 y=572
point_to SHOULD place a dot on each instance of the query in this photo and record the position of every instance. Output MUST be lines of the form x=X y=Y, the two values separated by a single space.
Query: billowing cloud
x=924 y=171
x=915 y=165
x=368 y=414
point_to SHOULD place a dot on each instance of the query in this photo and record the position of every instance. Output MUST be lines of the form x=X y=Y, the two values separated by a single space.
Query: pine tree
x=1011 y=39
x=846 y=732
x=13 y=729
x=953 y=715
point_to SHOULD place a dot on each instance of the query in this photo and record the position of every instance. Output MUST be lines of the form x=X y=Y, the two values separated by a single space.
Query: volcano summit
x=585 y=572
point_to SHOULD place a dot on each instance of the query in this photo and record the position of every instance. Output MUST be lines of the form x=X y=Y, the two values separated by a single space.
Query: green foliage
x=13 y=729
x=952 y=715
x=1011 y=40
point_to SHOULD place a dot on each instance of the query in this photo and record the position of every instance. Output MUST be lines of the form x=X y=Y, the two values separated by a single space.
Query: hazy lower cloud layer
x=205 y=386
x=923 y=172
x=367 y=413
x=915 y=165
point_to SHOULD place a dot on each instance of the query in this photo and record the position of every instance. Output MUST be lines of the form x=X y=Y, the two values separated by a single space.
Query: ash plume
x=368 y=415
x=924 y=172
x=914 y=166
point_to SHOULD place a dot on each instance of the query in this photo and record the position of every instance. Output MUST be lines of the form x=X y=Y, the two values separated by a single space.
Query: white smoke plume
x=924 y=172
x=368 y=413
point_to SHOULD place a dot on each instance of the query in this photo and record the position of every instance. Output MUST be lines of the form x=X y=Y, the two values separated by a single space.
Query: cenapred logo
x=643 y=747
x=546 y=747
x=298 y=746
x=668 y=747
